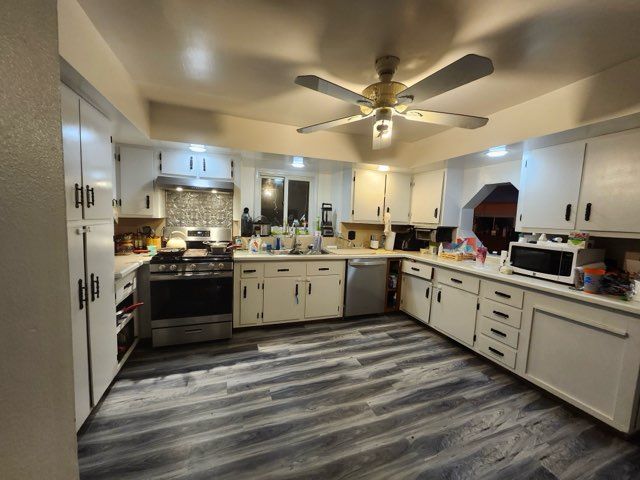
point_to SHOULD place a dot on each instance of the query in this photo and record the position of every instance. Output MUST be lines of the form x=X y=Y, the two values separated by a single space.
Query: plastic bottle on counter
x=254 y=244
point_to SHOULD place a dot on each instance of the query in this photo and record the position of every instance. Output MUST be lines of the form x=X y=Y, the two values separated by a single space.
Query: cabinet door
x=101 y=307
x=397 y=198
x=95 y=145
x=453 y=311
x=610 y=184
x=416 y=297
x=550 y=186
x=426 y=197
x=214 y=166
x=368 y=195
x=136 y=182
x=283 y=299
x=74 y=193
x=323 y=296
x=75 y=239
x=177 y=162
x=250 y=301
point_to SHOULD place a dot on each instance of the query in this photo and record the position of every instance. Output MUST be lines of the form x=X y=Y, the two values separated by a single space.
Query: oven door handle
x=156 y=277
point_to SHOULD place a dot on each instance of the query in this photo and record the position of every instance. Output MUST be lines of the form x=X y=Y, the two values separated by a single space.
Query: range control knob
x=162 y=268
x=220 y=266
x=192 y=266
x=173 y=267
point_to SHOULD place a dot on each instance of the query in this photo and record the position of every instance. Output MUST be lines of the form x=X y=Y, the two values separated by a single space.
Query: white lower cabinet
x=251 y=297
x=323 y=297
x=416 y=297
x=283 y=299
x=453 y=311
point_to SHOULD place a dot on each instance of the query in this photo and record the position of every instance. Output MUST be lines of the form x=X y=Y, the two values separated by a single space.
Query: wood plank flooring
x=381 y=397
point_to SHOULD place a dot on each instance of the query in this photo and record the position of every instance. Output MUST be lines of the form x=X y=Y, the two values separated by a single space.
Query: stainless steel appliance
x=365 y=290
x=191 y=291
x=551 y=261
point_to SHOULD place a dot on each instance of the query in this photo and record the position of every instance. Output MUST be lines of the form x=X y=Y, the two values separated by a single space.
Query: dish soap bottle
x=254 y=244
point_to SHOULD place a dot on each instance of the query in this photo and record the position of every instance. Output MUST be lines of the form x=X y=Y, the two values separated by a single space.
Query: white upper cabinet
x=137 y=173
x=398 y=197
x=610 y=197
x=368 y=196
x=177 y=162
x=426 y=197
x=550 y=187
x=214 y=166
x=71 y=149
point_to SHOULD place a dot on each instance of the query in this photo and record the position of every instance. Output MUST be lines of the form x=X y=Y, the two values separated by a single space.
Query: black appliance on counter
x=412 y=239
x=326 y=227
x=192 y=289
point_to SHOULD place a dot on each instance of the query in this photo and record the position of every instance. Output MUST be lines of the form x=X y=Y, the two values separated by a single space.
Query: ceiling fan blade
x=443 y=118
x=464 y=70
x=332 y=123
x=336 y=91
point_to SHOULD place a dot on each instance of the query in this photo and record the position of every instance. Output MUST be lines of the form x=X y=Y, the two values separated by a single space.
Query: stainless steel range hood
x=169 y=183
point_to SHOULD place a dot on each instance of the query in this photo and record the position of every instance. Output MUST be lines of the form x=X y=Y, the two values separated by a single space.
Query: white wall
x=37 y=428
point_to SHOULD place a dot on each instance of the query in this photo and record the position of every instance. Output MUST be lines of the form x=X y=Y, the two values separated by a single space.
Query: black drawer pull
x=193 y=330
x=248 y=271
x=127 y=285
x=503 y=295
x=500 y=314
x=439 y=297
x=244 y=292
x=455 y=280
x=498 y=332
x=426 y=294
x=497 y=352
x=415 y=269
x=323 y=269
x=283 y=269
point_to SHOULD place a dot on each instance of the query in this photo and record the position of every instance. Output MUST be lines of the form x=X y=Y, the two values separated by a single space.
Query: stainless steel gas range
x=192 y=290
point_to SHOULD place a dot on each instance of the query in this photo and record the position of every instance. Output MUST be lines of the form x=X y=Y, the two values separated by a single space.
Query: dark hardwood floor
x=380 y=397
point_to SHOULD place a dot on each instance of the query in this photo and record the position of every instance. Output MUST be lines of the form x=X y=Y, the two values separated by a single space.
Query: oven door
x=185 y=299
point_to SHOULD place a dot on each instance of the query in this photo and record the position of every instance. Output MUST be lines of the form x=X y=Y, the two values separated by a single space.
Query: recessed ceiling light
x=214 y=191
x=500 y=151
x=195 y=147
x=297 y=162
x=383 y=168
x=178 y=189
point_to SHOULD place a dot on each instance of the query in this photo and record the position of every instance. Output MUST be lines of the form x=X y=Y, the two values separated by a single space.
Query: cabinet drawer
x=459 y=280
x=125 y=286
x=190 y=333
x=502 y=293
x=418 y=269
x=285 y=269
x=497 y=351
x=325 y=268
x=251 y=270
x=501 y=313
x=499 y=331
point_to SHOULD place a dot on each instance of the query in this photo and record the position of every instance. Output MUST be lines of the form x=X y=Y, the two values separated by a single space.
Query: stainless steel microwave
x=551 y=261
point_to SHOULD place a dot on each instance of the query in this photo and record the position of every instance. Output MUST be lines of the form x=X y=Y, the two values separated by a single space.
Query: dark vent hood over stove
x=170 y=182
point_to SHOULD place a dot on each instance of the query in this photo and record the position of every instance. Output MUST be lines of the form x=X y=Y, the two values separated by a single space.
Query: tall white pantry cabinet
x=88 y=166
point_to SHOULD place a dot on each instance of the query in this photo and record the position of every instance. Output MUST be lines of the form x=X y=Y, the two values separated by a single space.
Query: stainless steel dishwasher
x=366 y=279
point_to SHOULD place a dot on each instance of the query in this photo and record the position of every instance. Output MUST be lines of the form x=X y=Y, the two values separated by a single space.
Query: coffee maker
x=326 y=227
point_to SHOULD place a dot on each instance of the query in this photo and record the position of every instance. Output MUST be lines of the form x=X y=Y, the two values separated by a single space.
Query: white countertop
x=125 y=264
x=468 y=266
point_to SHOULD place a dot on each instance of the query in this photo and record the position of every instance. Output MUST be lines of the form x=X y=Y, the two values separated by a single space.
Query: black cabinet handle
x=248 y=271
x=322 y=269
x=388 y=210
x=283 y=269
x=500 y=314
x=309 y=288
x=498 y=332
x=455 y=280
x=296 y=289
x=439 y=297
x=497 y=352
x=415 y=269
x=190 y=163
x=82 y=294
x=127 y=285
x=567 y=212
x=204 y=164
x=193 y=330
x=378 y=211
x=148 y=202
x=91 y=198
x=93 y=292
x=435 y=212
x=587 y=212
x=244 y=292
x=79 y=195
x=97 y=286
x=426 y=294
x=503 y=295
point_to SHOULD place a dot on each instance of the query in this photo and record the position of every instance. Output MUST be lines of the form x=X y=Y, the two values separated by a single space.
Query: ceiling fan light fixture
x=197 y=148
x=496 y=152
x=298 y=162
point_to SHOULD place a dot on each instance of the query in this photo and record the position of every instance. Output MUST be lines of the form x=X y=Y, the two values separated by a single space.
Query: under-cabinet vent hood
x=186 y=183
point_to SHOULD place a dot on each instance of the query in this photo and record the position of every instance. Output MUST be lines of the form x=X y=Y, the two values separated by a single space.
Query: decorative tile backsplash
x=199 y=209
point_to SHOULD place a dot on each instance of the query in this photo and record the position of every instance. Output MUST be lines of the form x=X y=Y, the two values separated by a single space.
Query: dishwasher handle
x=367 y=263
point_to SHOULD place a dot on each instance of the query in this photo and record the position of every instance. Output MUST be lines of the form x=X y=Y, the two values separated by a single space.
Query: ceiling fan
x=385 y=99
